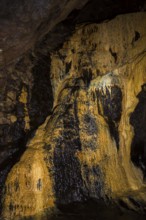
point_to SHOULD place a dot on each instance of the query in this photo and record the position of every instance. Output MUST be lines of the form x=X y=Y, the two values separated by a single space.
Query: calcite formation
x=93 y=145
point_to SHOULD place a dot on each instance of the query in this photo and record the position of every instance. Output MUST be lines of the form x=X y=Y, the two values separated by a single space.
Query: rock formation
x=93 y=142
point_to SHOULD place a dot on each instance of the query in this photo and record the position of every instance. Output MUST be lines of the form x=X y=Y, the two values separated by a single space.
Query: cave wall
x=93 y=143
x=23 y=106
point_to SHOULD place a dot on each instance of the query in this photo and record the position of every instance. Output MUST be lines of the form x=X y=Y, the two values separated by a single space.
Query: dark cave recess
x=138 y=121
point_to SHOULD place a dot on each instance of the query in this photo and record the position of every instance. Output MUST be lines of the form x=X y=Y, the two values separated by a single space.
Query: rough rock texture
x=23 y=23
x=23 y=106
x=93 y=145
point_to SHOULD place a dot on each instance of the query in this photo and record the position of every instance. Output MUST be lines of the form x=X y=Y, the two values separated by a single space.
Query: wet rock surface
x=72 y=121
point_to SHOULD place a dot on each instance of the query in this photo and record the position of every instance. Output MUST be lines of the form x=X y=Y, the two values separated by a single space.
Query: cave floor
x=88 y=211
x=101 y=216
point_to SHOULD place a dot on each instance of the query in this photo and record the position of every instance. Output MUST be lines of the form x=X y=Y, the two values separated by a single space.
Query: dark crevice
x=41 y=96
x=124 y=205
x=136 y=37
x=68 y=67
x=113 y=54
x=137 y=204
x=112 y=109
x=138 y=121
x=87 y=76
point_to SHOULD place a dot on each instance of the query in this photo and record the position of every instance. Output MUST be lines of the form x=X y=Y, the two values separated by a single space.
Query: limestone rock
x=93 y=145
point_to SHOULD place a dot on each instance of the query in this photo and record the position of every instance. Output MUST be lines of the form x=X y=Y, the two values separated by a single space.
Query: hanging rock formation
x=93 y=145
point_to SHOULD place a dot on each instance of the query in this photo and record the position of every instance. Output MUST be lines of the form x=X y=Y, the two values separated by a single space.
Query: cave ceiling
x=24 y=24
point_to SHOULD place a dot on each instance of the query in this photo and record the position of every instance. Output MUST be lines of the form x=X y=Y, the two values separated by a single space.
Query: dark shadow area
x=138 y=121
x=41 y=96
x=89 y=210
x=112 y=109
x=99 y=10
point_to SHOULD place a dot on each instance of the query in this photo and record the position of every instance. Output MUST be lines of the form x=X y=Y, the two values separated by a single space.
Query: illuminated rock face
x=94 y=143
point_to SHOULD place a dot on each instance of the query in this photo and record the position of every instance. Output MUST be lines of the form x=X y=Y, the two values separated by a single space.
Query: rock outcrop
x=93 y=143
